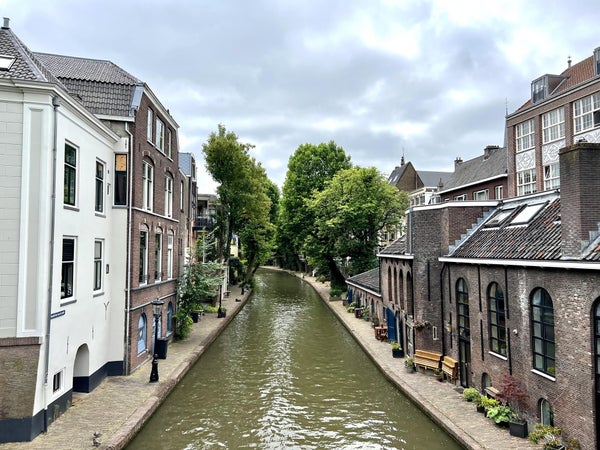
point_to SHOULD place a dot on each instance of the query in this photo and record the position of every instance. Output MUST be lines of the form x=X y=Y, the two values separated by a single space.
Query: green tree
x=356 y=205
x=309 y=168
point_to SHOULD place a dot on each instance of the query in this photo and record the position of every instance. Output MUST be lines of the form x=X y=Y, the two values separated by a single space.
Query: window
x=70 y=175
x=526 y=214
x=99 y=207
x=525 y=136
x=57 y=380
x=147 y=186
x=120 y=180
x=462 y=301
x=98 y=244
x=553 y=125
x=169 y=143
x=68 y=268
x=542 y=324
x=149 y=127
x=551 y=176
x=460 y=198
x=170 y=255
x=497 y=319
x=157 y=257
x=141 y=342
x=481 y=195
x=499 y=192
x=539 y=89
x=160 y=135
x=526 y=182
x=143 y=275
x=168 y=196
x=546 y=413
x=181 y=190
x=586 y=113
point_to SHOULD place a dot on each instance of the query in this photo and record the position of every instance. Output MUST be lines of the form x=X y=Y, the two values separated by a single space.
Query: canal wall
x=441 y=401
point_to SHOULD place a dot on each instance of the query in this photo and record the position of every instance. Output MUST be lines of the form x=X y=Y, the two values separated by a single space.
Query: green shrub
x=500 y=413
x=471 y=394
x=488 y=403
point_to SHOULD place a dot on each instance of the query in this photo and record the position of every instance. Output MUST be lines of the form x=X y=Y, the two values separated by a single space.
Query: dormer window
x=597 y=61
x=539 y=89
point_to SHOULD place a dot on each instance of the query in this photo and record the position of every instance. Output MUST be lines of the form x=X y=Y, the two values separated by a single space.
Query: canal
x=285 y=374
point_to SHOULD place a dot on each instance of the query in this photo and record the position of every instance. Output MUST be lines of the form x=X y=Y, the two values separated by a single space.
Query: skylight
x=6 y=62
x=526 y=214
x=499 y=217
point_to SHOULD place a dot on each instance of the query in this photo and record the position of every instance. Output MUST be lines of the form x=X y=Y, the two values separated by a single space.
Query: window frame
x=529 y=186
x=168 y=195
x=160 y=135
x=553 y=125
x=147 y=186
x=170 y=241
x=143 y=262
x=499 y=192
x=98 y=264
x=68 y=276
x=497 y=339
x=551 y=176
x=484 y=193
x=158 y=256
x=149 y=125
x=542 y=332
x=121 y=194
x=169 y=143
x=525 y=136
x=142 y=344
x=462 y=308
x=586 y=113
x=99 y=193
x=70 y=176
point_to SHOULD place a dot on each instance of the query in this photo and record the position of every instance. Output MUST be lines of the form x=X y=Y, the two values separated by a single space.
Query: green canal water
x=285 y=374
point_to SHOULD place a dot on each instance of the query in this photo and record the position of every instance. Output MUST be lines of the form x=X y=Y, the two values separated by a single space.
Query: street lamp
x=156 y=307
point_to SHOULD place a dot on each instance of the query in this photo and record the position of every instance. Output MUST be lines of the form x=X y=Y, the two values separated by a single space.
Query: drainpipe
x=55 y=105
x=442 y=308
x=128 y=276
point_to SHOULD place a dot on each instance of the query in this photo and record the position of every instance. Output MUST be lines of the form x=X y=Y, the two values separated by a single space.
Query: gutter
x=556 y=264
x=128 y=276
x=55 y=105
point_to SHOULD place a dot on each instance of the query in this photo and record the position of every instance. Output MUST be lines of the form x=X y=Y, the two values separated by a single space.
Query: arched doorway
x=464 y=332
x=81 y=370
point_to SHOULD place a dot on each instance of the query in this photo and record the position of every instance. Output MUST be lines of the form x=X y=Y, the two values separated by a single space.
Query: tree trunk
x=337 y=278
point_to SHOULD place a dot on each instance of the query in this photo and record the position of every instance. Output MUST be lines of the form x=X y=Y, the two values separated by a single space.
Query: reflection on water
x=286 y=375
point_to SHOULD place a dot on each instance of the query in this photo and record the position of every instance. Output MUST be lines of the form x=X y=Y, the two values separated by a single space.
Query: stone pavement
x=120 y=406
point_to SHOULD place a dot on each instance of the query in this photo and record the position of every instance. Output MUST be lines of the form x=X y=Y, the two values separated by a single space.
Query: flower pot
x=518 y=428
x=480 y=409
x=195 y=316
x=397 y=353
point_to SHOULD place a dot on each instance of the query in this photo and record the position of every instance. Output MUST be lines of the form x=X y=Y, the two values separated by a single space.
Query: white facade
x=82 y=333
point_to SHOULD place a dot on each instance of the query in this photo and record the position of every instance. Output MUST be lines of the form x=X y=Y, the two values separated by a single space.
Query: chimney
x=457 y=162
x=579 y=187
x=6 y=26
x=569 y=61
x=488 y=150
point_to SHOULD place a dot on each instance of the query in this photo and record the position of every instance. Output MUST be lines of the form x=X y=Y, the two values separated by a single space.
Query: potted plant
x=409 y=365
x=375 y=322
x=397 y=351
x=501 y=414
x=547 y=435
x=471 y=395
x=487 y=403
x=438 y=374
x=513 y=394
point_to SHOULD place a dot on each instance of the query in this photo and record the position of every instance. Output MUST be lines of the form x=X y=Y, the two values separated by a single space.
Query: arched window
x=401 y=299
x=486 y=381
x=546 y=414
x=170 y=318
x=410 y=305
x=462 y=301
x=395 y=286
x=390 y=285
x=542 y=324
x=141 y=343
x=497 y=319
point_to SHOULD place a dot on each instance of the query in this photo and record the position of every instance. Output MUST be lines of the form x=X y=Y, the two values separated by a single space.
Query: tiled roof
x=540 y=239
x=368 y=280
x=185 y=163
x=398 y=247
x=432 y=179
x=478 y=169
x=101 y=86
x=576 y=74
x=26 y=66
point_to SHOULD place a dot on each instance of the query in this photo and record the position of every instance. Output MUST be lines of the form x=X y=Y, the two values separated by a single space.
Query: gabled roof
x=575 y=75
x=25 y=66
x=537 y=239
x=484 y=167
x=101 y=86
x=432 y=179
x=368 y=280
x=398 y=247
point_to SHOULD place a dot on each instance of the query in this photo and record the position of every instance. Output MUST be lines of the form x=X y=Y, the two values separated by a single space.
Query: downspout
x=55 y=105
x=442 y=308
x=128 y=276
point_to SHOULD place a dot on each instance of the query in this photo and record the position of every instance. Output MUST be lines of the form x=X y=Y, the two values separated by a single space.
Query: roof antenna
x=569 y=61
x=402 y=159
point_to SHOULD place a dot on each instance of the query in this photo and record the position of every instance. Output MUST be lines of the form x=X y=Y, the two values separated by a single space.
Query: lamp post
x=156 y=307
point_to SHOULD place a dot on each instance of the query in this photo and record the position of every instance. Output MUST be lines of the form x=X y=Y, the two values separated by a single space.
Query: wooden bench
x=427 y=360
x=450 y=368
x=492 y=392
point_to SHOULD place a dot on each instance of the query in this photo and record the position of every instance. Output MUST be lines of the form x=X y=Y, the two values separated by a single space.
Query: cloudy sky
x=428 y=78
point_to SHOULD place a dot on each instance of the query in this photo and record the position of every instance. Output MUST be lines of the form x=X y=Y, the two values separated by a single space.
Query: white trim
x=555 y=264
x=473 y=183
x=363 y=288
x=383 y=255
